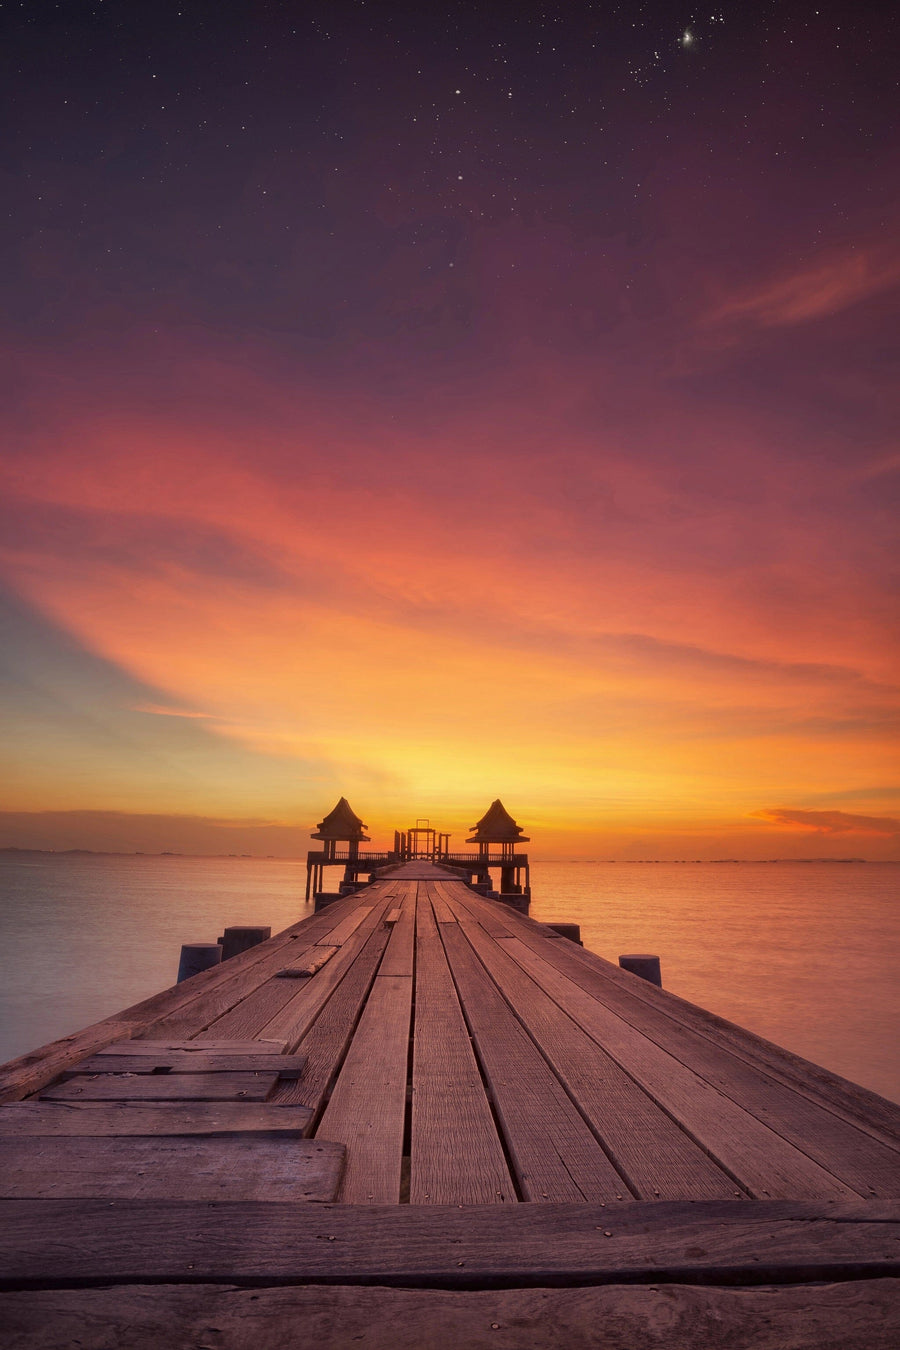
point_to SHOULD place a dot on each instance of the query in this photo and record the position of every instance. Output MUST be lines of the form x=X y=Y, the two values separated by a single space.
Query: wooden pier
x=421 y=1119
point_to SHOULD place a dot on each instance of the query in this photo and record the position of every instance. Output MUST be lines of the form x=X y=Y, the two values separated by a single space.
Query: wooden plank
x=865 y=1109
x=442 y=911
x=865 y=1163
x=171 y=1006
x=398 y=959
x=255 y=1014
x=148 y=1047
x=708 y=1242
x=218 y=1000
x=761 y=1161
x=183 y=1087
x=330 y=1026
x=171 y=1167
x=554 y=1154
x=318 y=957
x=182 y=1062
x=655 y=1156
x=456 y=1156
x=368 y=1104
x=854 y=1315
x=348 y=926
x=102 y=1118
x=297 y=1016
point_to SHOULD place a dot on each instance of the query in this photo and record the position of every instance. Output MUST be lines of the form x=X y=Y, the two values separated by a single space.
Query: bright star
x=687 y=38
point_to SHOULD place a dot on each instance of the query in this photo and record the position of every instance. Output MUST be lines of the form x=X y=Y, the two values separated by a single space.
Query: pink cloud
x=812 y=292
x=830 y=822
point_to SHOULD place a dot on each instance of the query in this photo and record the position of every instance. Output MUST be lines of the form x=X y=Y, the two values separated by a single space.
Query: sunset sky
x=427 y=403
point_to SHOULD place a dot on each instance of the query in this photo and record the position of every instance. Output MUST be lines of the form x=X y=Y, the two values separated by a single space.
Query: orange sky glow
x=520 y=426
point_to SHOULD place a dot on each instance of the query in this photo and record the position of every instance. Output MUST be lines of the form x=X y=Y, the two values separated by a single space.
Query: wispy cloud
x=159 y=710
x=812 y=292
x=829 y=822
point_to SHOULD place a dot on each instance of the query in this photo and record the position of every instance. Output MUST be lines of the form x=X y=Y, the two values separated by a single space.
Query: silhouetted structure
x=342 y=825
x=497 y=826
x=496 y=835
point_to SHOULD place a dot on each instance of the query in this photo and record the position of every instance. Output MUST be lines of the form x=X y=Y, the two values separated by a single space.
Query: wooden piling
x=647 y=967
x=197 y=956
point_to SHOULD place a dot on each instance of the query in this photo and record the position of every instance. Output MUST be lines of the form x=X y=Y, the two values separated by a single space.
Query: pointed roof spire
x=341 y=823
x=497 y=826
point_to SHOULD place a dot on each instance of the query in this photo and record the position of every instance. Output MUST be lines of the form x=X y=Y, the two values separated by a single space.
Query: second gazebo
x=497 y=826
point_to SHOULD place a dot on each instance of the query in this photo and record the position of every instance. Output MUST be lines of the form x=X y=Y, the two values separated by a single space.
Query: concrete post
x=238 y=939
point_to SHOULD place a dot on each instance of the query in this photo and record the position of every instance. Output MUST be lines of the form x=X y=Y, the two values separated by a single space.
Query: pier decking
x=420 y=1118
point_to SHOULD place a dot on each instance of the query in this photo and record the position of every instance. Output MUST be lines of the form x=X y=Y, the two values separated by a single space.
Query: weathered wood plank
x=120 y=1118
x=182 y=1062
x=165 y=1087
x=865 y=1163
x=214 y=1002
x=255 y=1014
x=553 y=1152
x=456 y=1156
x=855 y=1315
x=148 y=1047
x=171 y=1167
x=863 y=1108
x=398 y=958
x=318 y=957
x=713 y=1242
x=169 y=1008
x=329 y=1027
x=296 y=1017
x=368 y=1103
x=762 y=1162
x=655 y=1156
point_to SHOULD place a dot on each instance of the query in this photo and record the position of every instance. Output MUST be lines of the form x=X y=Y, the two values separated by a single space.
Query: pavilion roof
x=497 y=826
x=341 y=823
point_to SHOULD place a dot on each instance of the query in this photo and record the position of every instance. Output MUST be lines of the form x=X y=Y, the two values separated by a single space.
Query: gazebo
x=341 y=825
x=497 y=826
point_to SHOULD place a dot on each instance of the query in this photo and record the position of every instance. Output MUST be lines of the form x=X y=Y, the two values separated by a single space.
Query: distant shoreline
x=293 y=857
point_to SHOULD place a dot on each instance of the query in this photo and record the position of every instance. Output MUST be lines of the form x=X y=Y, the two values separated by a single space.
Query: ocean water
x=805 y=954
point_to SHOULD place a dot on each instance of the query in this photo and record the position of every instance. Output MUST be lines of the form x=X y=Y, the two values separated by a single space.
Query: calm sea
x=805 y=954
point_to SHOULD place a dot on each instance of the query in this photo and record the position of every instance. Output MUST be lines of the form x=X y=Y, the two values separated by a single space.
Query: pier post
x=238 y=939
x=572 y=931
x=647 y=967
x=197 y=956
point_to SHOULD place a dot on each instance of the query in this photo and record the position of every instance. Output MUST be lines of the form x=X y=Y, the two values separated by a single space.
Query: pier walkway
x=420 y=1118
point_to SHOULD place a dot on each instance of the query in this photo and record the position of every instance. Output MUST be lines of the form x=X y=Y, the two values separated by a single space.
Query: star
x=687 y=38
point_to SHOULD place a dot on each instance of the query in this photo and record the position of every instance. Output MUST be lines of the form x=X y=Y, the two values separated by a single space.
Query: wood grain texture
x=855 y=1315
x=456 y=1156
x=121 y=1118
x=760 y=1160
x=263 y=1008
x=170 y=1007
x=317 y=958
x=46 y=1242
x=860 y=1106
x=867 y=1164
x=554 y=1154
x=330 y=1027
x=295 y=1018
x=368 y=1103
x=398 y=958
x=171 y=1167
x=188 y=1061
x=165 y=1087
x=153 y=1047
x=655 y=1156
